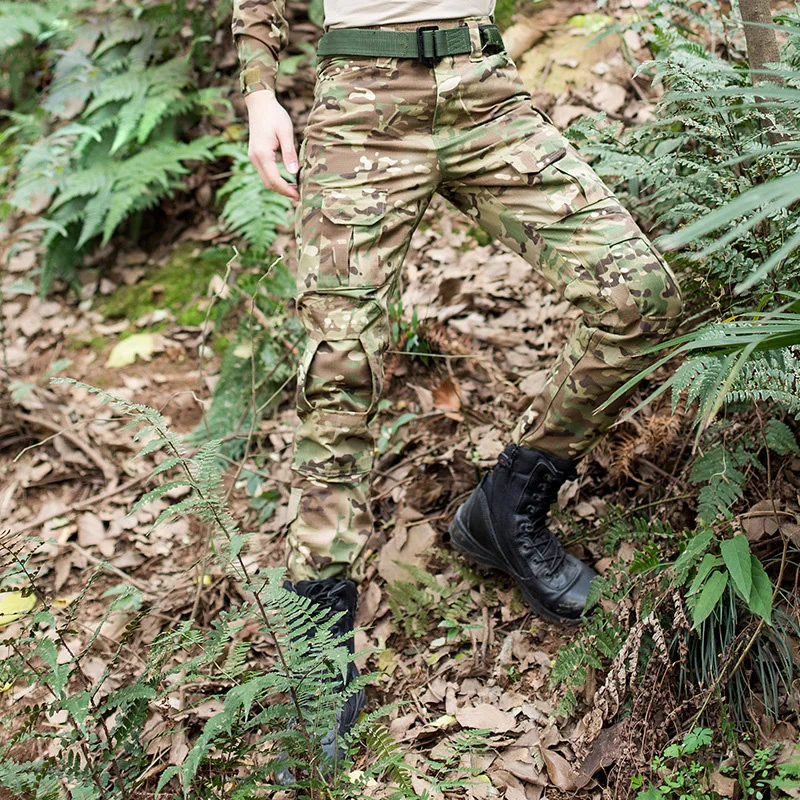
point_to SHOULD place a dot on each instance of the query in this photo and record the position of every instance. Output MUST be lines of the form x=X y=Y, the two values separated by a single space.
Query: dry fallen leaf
x=605 y=750
x=561 y=774
x=792 y=531
x=92 y=533
x=409 y=549
x=486 y=716
x=13 y=605
x=525 y=764
x=125 y=353
x=760 y=521
x=609 y=97
x=533 y=384
x=368 y=605
x=722 y=785
x=519 y=38
x=447 y=396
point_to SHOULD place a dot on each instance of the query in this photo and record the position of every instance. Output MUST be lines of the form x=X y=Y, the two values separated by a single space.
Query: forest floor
x=68 y=472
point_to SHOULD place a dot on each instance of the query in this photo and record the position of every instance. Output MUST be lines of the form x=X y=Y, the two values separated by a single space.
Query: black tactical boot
x=503 y=524
x=337 y=596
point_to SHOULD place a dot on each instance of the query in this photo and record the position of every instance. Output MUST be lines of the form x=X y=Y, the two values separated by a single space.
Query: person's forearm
x=260 y=33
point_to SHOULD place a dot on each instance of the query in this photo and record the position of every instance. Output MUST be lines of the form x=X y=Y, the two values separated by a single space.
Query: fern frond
x=250 y=210
x=18 y=20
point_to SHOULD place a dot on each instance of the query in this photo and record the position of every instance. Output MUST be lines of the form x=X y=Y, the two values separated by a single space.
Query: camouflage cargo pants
x=384 y=135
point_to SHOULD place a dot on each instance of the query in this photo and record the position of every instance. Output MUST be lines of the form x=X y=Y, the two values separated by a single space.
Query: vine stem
x=84 y=679
x=222 y=526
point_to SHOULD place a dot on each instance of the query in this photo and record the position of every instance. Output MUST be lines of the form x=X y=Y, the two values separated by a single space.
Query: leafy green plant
x=387 y=438
x=683 y=771
x=708 y=157
x=726 y=587
x=417 y=602
x=748 y=360
x=722 y=473
x=257 y=365
x=710 y=612
x=27 y=29
x=596 y=645
x=721 y=155
x=270 y=713
x=681 y=778
x=113 y=134
x=735 y=566
x=249 y=209
x=639 y=530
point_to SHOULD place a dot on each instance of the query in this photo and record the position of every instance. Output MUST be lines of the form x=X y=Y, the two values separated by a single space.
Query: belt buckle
x=488 y=48
x=428 y=62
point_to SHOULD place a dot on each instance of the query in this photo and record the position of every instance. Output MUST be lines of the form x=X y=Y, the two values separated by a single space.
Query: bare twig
x=82 y=505
x=111 y=568
x=110 y=472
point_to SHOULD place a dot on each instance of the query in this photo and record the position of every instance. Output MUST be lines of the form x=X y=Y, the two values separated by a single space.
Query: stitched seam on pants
x=531 y=431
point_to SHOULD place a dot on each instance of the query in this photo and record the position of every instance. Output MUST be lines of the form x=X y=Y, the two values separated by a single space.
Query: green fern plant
x=249 y=209
x=751 y=359
x=21 y=20
x=707 y=159
x=414 y=604
x=116 y=118
x=258 y=364
x=271 y=713
x=681 y=772
x=28 y=31
x=722 y=472
x=595 y=646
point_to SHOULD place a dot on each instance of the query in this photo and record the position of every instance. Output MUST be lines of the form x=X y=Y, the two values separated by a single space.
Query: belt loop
x=476 y=47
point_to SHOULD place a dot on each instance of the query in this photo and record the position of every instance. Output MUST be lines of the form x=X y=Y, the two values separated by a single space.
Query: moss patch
x=504 y=11
x=478 y=236
x=177 y=286
x=80 y=341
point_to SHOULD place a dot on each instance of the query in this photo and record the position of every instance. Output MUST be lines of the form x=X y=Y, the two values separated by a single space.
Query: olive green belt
x=427 y=43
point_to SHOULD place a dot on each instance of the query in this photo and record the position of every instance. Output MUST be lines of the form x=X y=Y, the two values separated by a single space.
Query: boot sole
x=463 y=542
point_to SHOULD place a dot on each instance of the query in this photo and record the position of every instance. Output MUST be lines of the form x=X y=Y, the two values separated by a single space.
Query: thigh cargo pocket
x=651 y=284
x=534 y=154
x=352 y=226
x=566 y=182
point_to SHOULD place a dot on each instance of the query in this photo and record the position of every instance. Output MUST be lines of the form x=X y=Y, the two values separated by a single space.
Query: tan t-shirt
x=363 y=13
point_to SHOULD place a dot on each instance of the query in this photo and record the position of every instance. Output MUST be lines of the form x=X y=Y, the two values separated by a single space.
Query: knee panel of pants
x=650 y=284
x=624 y=287
x=341 y=367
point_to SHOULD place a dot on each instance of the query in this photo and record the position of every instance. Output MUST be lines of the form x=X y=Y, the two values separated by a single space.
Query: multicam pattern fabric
x=382 y=137
x=260 y=33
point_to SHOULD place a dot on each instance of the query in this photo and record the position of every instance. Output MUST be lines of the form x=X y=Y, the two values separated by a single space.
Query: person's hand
x=271 y=130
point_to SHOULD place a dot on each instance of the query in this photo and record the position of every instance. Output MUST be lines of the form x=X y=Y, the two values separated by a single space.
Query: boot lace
x=536 y=539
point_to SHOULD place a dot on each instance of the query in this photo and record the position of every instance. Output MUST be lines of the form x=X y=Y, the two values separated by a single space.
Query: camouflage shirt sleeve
x=260 y=33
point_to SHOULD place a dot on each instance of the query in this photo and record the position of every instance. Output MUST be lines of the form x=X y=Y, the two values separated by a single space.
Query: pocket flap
x=354 y=206
x=534 y=154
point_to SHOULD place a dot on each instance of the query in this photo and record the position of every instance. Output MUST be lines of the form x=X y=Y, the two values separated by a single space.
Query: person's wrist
x=262 y=95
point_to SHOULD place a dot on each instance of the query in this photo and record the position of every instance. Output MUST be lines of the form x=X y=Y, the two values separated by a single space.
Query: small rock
x=609 y=97
x=632 y=40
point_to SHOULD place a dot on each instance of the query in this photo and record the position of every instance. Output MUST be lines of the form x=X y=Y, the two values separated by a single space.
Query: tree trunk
x=762 y=42
x=762 y=48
